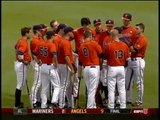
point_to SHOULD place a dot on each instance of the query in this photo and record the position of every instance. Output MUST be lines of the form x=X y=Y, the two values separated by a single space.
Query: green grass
x=18 y=14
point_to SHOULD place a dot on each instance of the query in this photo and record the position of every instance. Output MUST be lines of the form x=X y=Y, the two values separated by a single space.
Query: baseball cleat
x=137 y=104
x=129 y=103
x=117 y=105
x=54 y=105
x=20 y=106
x=35 y=105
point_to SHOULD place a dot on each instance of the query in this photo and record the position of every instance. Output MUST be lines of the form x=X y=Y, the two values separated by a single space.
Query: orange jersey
x=140 y=44
x=97 y=35
x=105 y=38
x=65 y=49
x=22 y=46
x=116 y=53
x=57 y=40
x=45 y=51
x=89 y=52
x=79 y=36
x=34 y=42
x=129 y=33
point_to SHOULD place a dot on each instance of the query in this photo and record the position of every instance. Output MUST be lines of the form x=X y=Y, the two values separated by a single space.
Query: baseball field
x=19 y=14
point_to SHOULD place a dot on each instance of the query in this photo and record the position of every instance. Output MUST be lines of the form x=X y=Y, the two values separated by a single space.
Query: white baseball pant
x=21 y=73
x=116 y=74
x=136 y=67
x=103 y=73
x=49 y=74
x=91 y=78
x=76 y=81
x=36 y=91
x=64 y=75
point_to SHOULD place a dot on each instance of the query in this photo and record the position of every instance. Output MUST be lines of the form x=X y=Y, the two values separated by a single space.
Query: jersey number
x=44 y=51
x=119 y=54
x=85 y=52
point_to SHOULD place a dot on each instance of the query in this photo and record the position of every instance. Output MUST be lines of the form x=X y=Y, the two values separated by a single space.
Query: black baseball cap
x=119 y=29
x=127 y=17
x=68 y=29
x=61 y=26
x=37 y=27
x=97 y=22
x=109 y=22
x=43 y=26
x=85 y=21
x=50 y=33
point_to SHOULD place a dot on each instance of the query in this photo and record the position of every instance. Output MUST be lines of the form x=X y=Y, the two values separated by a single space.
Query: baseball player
x=59 y=35
x=23 y=59
x=105 y=38
x=47 y=58
x=128 y=31
x=137 y=62
x=89 y=55
x=116 y=54
x=65 y=68
x=79 y=38
x=43 y=29
x=98 y=30
x=54 y=25
x=35 y=41
x=128 y=35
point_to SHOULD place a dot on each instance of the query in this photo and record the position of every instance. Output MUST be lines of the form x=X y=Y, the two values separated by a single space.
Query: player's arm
x=34 y=55
x=20 y=53
x=21 y=58
x=67 y=52
x=100 y=55
x=101 y=59
x=137 y=46
x=38 y=61
x=68 y=62
x=127 y=56
x=54 y=54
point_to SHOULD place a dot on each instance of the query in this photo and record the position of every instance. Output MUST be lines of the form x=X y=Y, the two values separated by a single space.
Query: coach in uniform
x=23 y=59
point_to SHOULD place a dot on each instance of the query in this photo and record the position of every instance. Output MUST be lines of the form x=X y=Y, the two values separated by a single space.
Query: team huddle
x=109 y=60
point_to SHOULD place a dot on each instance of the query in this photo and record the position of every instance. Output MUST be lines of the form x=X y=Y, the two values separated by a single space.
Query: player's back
x=89 y=53
x=116 y=53
x=44 y=50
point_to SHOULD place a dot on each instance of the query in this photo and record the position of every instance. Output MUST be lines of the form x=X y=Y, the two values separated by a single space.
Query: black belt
x=134 y=59
x=47 y=63
x=90 y=66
